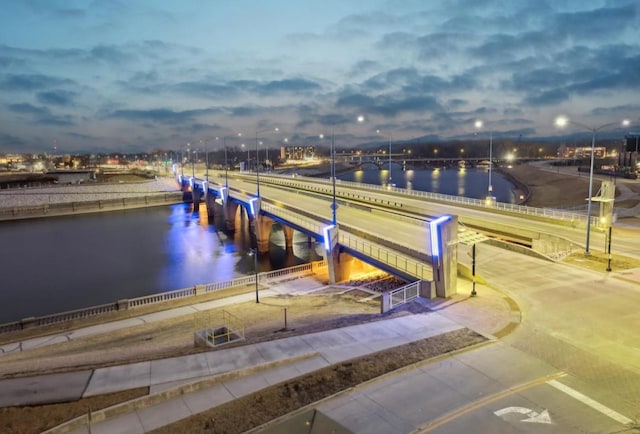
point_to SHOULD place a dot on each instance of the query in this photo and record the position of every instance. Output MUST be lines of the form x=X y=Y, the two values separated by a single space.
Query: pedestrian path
x=181 y=386
x=256 y=366
x=294 y=287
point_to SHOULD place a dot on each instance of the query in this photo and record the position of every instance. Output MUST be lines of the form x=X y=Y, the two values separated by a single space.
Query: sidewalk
x=219 y=376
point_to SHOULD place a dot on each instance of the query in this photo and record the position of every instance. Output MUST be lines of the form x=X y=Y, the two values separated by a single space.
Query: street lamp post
x=276 y=129
x=389 y=138
x=479 y=124
x=563 y=121
x=254 y=253
x=226 y=162
x=206 y=161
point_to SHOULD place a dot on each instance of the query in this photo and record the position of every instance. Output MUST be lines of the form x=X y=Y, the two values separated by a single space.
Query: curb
x=88 y=419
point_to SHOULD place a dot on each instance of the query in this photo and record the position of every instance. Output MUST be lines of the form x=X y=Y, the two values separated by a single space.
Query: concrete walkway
x=205 y=380
x=301 y=286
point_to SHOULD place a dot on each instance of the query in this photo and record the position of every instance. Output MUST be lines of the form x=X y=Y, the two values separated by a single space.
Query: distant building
x=297 y=152
x=579 y=152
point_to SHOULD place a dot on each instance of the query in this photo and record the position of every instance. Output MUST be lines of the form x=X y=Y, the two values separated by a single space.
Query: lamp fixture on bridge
x=276 y=129
x=490 y=198
x=334 y=205
x=226 y=163
x=389 y=138
x=561 y=122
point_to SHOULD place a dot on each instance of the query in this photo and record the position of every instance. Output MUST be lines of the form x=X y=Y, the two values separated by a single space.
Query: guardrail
x=67 y=208
x=398 y=261
x=404 y=294
x=552 y=213
x=121 y=305
x=374 y=251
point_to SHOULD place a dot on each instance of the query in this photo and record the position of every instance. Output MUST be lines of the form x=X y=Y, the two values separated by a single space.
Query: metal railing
x=389 y=257
x=13 y=213
x=404 y=294
x=396 y=260
x=298 y=270
x=552 y=213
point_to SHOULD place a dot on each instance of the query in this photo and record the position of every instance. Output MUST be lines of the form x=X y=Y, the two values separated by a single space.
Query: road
x=626 y=242
x=574 y=361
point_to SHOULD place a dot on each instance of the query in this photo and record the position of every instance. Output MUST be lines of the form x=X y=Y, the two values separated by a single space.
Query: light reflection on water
x=454 y=181
x=63 y=263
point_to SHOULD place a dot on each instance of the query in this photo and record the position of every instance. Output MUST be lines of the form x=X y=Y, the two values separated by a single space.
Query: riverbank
x=58 y=200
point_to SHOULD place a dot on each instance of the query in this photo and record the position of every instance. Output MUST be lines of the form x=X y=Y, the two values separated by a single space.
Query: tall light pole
x=206 y=161
x=334 y=205
x=276 y=129
x=479 y=124
x=226 y=163
x=563 y=121
x=390 y=138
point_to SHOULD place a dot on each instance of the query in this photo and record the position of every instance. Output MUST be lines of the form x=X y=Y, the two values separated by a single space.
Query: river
x=62 y=263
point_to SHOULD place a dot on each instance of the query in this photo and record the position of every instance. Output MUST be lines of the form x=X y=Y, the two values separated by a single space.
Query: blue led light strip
x=327 y=241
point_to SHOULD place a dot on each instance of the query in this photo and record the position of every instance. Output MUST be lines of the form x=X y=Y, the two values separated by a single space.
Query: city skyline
x=110 y=76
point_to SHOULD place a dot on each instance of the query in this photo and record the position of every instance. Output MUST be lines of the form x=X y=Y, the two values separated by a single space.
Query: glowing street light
x=562 y=121
x=226 y=164
x=334 y=205
x=276 y=129
x=479 y=124
x=389 y=138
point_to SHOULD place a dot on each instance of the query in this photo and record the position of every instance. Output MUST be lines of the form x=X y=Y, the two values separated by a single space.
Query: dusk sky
x=131 y=76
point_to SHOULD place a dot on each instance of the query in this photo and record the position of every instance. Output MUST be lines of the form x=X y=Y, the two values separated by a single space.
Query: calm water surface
x=468 y=182
x=63 y=263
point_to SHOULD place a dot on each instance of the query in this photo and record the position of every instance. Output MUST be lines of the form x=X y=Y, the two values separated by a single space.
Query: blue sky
x=131 y=76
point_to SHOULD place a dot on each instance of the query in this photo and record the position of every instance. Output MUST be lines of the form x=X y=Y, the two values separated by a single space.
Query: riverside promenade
x=208 y=379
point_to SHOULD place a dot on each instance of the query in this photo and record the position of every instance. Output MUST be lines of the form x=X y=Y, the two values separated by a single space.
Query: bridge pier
x=443 y=240
x=213 y=208
x=230 y=210
x=262 y=229
x=339 y=263
x=288 y=237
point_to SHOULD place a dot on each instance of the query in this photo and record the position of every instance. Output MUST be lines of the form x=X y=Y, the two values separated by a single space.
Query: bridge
x=411 y=234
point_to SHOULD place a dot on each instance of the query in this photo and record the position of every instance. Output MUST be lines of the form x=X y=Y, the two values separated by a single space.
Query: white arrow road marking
x=534 y=416
x=591 y=403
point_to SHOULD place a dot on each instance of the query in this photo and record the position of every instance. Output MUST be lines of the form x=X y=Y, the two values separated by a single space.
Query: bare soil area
x=549 y=189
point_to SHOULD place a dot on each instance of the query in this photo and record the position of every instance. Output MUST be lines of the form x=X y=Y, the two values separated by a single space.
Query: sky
x=141 y=75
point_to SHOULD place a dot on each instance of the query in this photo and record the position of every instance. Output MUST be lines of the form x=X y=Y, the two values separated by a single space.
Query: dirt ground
x=549 y=189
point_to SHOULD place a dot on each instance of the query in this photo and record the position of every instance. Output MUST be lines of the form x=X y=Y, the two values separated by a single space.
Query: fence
x=373 y=250
x=558 y=214
x=399 y=296
x=81 y=207
x=121 y=305
x=217 y=328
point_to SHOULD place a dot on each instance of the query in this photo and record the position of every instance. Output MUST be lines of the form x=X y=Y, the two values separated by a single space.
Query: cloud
x=41 y=115
x=57 y=97
x=388 y=106
x=31 y=82
x=292 y=85
x=165 y=116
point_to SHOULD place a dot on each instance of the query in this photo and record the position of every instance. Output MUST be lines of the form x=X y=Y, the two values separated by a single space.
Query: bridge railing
x=404 y=294
x=294 y=217
x=66 y=208
x=558 y=214
x=396 y=260
x=133 y=303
